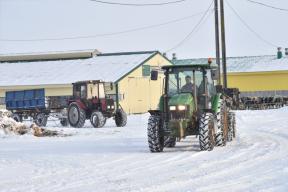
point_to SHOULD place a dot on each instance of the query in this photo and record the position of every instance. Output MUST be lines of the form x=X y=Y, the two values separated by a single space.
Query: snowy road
x=117 y=159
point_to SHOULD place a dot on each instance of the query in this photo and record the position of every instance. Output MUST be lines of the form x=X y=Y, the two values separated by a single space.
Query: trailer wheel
x=155 y=140
x=76 y=115
x=120 y=118
x=64 y=122
x=17 y=117
x=97 y=119
x=207 y=132
x=41 y=119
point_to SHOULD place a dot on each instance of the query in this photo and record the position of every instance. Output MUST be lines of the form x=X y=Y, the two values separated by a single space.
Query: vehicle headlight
x=108 y=106
x=181 y=107
x=112 y=106
x=172 y=108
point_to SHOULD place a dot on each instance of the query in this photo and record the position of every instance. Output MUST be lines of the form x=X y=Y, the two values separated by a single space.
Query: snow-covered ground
x=118 y=159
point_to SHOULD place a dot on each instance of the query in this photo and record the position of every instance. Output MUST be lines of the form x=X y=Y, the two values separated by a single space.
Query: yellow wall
x=259 y=81
x=140 y=93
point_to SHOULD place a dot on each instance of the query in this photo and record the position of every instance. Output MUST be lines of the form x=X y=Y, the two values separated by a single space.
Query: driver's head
x=188 y=79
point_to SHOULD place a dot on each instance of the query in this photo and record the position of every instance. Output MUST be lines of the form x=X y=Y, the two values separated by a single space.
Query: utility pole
x=217 y=40
x=223 y=41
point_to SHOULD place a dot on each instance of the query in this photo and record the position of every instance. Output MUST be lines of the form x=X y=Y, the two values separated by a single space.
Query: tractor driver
x=189 y=86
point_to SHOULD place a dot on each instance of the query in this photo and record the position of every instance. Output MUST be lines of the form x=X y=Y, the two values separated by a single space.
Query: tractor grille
x=178 y=115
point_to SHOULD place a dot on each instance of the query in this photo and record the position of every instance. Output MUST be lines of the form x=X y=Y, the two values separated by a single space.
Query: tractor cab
x=190 y=83
x=190 y=105
x=90 y=101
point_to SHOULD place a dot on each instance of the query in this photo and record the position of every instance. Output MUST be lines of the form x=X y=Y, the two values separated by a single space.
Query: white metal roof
x=246 y=64
x=109 y=68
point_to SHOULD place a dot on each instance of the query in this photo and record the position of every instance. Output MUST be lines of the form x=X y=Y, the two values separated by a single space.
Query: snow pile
x=8 y=125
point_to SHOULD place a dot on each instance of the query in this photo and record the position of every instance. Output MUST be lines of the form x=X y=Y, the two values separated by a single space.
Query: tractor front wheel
x=41 y=119
x=97 y=119
x=207 y=132
x=76 y=115
x=120 y=118
x=155 y=140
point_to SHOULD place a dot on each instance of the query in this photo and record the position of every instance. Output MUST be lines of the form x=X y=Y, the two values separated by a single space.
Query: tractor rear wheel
x=222 y=124
x=41 y=119
x=155 y=140
x=232 y=126
x=170 y=142
x=120 y=118
x=76 y=115
x=17 y=117
x=207 y=132
x=97 y=119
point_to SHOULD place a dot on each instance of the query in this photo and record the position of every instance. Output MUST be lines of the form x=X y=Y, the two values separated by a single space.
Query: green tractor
x=191 y=105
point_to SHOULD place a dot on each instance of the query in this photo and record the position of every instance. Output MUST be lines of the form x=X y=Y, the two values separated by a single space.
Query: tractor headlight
x=172 y=108
x=181 y=107
x=112 y=106
x=108 y=106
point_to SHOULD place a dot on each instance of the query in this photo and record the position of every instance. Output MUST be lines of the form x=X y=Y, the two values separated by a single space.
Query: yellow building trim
x=259 y=81
x=258 y=73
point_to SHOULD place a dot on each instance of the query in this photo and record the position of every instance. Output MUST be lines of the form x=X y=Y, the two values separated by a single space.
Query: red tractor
x=90 y=101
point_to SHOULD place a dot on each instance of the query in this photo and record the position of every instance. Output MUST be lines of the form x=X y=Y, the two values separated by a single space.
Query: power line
x=106 y=34
x=193 y=30
x=135 y=4
x=266 y=5
x=249 y=28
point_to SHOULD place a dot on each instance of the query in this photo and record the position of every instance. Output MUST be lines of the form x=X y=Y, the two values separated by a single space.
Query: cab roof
x=194 y=66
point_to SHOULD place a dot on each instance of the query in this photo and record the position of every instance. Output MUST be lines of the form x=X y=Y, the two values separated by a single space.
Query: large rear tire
x=120 y=118
x=97 y=119
x=222 y=124
x=76 y=115
x=170 y=142
x=155 y=140
x=207 y=132
x=232 y=127
x=41 y=119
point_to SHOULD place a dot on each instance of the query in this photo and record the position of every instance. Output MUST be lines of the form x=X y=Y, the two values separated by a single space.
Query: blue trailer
x=33 y=103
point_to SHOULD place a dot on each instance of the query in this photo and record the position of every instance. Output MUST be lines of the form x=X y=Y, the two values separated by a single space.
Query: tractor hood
x=182 y=99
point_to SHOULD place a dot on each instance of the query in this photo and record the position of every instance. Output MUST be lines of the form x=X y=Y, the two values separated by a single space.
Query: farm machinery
x=191 y=105
x=89 y=101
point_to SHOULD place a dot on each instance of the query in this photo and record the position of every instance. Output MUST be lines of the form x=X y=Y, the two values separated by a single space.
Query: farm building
x=128 y=71
x=255 y=75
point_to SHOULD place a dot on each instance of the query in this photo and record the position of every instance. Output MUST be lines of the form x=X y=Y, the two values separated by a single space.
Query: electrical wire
x=249 y=28
x=266 y=5
x=195 y=28
x=106 y=34
x=138 y=5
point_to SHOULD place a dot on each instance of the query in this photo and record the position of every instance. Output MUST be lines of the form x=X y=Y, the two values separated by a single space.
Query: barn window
x=146 y=70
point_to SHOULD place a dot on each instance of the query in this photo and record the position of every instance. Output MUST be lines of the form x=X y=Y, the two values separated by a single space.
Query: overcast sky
x=40 y=19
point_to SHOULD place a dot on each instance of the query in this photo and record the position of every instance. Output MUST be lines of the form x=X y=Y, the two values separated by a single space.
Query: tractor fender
x=154 y=112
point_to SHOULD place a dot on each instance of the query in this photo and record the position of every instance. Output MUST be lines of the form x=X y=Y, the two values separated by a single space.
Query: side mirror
x=214 y=74
x=154 y=75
